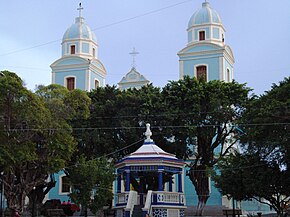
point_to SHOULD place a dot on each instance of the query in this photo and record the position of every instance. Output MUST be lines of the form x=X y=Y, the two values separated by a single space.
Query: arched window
x=70 y=83
x=94 y=52
x=72 y=49
x=97 y=84
x=201 y=35
x=201 y=73
x=65 y=186
x=229 y=75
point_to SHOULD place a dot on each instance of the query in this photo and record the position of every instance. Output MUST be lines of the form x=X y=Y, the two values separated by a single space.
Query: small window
x=97 y=84
x=201 y=35
x=94 y=52
x=65 y=186
x=72 y=49
x=70 y=83
x=201 y=73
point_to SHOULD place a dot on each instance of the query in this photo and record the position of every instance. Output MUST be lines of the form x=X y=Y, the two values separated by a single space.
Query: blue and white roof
x=79 y=30
x=150 y=153
x=205 y=15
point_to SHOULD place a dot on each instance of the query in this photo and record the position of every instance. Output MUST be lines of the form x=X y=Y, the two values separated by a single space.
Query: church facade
x=206 y=56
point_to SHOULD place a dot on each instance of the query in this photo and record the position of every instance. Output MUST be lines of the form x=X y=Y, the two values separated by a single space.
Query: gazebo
x=149 y=181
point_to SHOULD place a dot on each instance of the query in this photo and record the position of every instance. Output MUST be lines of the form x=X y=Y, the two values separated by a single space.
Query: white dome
x=205 y=15
x=79 y=30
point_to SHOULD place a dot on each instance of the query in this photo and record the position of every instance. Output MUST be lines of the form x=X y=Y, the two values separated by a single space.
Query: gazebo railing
x=132 y=201
x=147 y=209
x=122 y=199
x=169 y=198
x=158 y=198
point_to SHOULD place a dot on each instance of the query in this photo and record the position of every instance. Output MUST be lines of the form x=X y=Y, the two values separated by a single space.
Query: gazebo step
x=137 y=211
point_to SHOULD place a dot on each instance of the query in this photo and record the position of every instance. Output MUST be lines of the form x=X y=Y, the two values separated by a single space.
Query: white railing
x=132 y=201
x=122 y=198
x=147 y=206
x=170 y=197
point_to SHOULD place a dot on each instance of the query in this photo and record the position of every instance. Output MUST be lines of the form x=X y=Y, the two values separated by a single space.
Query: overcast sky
x=258 y=32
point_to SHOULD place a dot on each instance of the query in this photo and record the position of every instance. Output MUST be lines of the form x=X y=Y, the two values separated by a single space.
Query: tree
x=265 y=150
x=203 y=115
x=267 y=135
x=116 y=121
x=266 y=123
x=247 y=176
x=91 y=182
x=35 y=140
x=189 y=118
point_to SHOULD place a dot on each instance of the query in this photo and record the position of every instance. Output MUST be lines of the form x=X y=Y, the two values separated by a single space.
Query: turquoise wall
x=79 y=74
x=211 y=61
x=54 y=192
x=68 y=47
x=99 y=78
x=207 y=32
x=216 y=33
x=85 y=48
x=191 y=197
x=189 y=36
x=229 y=66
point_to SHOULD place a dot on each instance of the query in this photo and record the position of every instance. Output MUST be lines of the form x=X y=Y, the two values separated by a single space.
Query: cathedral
x=206 y=55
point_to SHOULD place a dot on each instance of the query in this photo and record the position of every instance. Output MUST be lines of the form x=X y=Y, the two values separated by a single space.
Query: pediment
x=71 y=60
x=200 y=48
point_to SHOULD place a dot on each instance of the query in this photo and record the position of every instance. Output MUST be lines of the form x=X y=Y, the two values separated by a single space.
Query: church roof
x=133 y=76
x=204 y=15
x=79 y=30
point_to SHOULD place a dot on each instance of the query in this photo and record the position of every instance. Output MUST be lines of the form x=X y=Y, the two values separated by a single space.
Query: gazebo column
x=119 y=183
x=160 y=177
x=179 y=182
x=170 y=184
x=127 y=187
x=141 y=190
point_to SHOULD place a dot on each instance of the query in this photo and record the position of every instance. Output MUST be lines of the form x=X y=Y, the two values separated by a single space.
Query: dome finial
x=205 y=4
x=148 y=133
x=80 y=8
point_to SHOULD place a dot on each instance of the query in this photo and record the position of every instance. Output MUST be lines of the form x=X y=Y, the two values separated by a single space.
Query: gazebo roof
x=150 y=154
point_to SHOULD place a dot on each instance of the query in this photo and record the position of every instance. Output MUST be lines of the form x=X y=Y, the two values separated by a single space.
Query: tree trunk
x=15 y=202
x=37 y=195
x=200 y=180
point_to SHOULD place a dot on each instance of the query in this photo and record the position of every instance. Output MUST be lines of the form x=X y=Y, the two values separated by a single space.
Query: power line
x=134 y=127
x=101 y=27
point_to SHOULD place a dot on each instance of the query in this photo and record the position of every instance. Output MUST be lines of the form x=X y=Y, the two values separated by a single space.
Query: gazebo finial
x=148 y=133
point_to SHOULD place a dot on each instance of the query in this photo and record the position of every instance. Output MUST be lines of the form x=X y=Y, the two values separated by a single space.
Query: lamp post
x=2 y=194
x=33 y=202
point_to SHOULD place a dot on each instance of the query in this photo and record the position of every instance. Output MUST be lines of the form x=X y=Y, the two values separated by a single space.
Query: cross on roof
x=134 y=53
x=80 y=8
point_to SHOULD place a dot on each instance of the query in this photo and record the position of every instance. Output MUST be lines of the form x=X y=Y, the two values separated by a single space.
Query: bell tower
x=206 y=55
x=79 y=67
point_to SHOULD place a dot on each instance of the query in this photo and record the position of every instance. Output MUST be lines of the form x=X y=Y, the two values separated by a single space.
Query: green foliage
x=269 y=118
x=35 y=134
x=203 y=116
x=263 y=168
x=117 y=120
x=91 y=182
x=247 y=176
